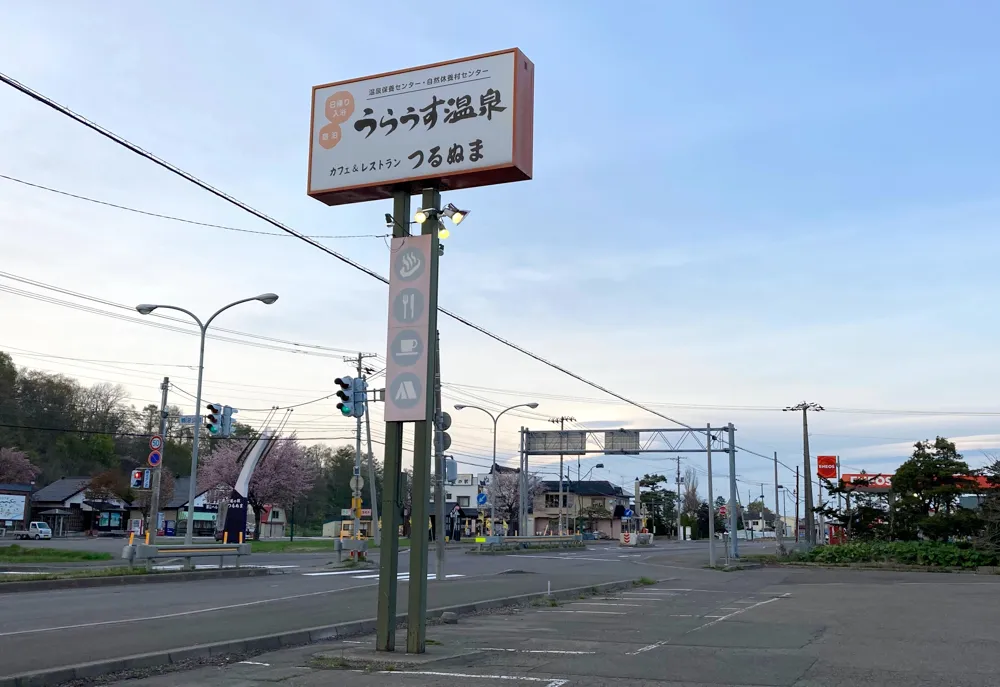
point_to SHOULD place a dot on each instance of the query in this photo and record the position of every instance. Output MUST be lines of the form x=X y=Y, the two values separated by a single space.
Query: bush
x=926 y=553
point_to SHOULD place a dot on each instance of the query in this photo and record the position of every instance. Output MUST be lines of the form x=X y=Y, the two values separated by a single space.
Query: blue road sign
x=146 y=475
x=480 y=499
x=189 y=419
x=629 y=513
x=154 y=458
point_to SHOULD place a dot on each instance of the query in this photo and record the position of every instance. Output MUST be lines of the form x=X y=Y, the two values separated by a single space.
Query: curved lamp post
x=495 y=418
x=147 y=308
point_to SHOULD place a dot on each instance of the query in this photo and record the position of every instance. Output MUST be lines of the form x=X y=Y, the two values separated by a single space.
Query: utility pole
x=154 y=499
x=732 y=492
x=805 y=407
x=680 y=534
x=439 y=493
x=371 y=480
x=561 y=421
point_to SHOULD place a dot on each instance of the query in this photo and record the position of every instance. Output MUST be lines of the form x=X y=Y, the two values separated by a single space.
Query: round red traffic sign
x=154 y=459
x=156 y=442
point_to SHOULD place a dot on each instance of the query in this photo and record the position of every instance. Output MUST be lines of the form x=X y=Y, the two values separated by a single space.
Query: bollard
x=131 y=538
x=147 y=537
x=241 y=537
x=225 y=537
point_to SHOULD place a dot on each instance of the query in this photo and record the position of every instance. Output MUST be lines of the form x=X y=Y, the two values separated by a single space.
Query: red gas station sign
x=826 y=466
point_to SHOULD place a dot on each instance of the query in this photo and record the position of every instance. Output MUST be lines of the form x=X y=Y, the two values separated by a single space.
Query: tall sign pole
x=392 y=486
x=416 y=617
x=439 y=466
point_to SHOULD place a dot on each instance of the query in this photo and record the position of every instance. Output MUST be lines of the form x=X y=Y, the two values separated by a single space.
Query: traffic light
x=213 y=420
x=346 y=395
x=227 y=420
x=360 y=396
x=442 y=425
x=136 y=481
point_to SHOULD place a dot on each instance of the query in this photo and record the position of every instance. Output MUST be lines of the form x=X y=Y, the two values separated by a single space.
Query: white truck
x=36 y=530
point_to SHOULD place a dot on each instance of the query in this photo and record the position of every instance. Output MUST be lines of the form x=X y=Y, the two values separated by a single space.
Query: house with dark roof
x=587 y=506
x=67 y=508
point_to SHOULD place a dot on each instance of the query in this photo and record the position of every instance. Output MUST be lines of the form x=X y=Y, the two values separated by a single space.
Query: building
x=756 y=523
x=272 y=522
x=66 y=507
x=588 y=506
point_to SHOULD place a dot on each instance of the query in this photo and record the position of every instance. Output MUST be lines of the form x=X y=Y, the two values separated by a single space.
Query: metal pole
x=807 y=477
x=416 y=618
x=733 y=520
x=392 y=492
x=154 y=499
x=796 y=505
x=371 y=480
x=493 y=472
x=711 y=499
x=439 y=492
x=193 y=487
x=520 y=487
x=356 y=492
x=680 y=532
x=777 y=505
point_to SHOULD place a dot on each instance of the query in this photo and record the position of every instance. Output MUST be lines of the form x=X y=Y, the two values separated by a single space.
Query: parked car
x=36 y=530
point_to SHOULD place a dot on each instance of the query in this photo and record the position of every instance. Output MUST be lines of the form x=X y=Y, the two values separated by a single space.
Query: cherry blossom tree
x=284 y=474
x=15 y=468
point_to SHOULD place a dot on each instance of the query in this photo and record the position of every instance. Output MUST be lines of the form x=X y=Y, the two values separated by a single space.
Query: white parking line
x=538 y=651
x=335 y=572
x=549 y=682
x=590 y=612
x=595 y=603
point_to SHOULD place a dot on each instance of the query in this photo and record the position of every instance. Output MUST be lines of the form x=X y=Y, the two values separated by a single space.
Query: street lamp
x=495 y=419
x=147 y=308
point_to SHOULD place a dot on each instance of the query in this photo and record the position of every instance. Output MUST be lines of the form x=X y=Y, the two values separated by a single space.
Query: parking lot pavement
x=773 y=627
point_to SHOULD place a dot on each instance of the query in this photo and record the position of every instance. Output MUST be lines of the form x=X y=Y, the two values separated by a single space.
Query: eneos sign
x=826 y=466
x=456 y=124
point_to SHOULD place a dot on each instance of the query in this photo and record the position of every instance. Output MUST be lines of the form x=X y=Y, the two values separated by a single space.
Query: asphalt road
x=57 y=628
x=772 y=627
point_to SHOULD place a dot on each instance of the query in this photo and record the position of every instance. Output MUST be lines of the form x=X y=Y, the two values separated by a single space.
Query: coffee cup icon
x=408 y=347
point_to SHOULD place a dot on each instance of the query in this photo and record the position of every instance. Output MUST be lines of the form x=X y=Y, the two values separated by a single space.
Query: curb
x=123 y=580
x=273 y=642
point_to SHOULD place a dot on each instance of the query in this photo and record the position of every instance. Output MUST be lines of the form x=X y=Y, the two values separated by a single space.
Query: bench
x=148 y=553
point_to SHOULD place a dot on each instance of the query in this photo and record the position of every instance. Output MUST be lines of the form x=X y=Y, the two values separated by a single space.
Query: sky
x=735 y=207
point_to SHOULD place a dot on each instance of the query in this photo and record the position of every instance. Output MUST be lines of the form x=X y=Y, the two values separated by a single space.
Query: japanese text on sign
x=448 y=120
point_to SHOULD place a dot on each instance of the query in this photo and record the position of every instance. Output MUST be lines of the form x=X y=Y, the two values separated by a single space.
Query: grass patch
x=432 y=642
x=553 y=602
x=918 y=553
x=330 y=663
x=644 y=582
x=73 y=574
x=33 y=554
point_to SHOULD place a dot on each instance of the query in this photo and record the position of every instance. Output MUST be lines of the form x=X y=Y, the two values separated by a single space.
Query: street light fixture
x=495 y=418
x=146 y=309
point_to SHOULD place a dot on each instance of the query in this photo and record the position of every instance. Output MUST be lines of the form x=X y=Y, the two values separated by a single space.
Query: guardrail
x=147 y=553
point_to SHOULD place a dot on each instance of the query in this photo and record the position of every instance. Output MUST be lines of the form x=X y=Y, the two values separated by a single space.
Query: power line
x=182 y=219
x=107 y=133
x=188 y=324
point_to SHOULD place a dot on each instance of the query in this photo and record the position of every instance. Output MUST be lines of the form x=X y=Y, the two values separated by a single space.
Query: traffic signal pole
x=153 y=523
x=356 y=500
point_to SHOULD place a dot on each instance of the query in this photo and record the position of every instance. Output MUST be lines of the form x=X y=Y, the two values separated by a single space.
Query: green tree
x=927 y=488
x=864 y=515
x=660 y=503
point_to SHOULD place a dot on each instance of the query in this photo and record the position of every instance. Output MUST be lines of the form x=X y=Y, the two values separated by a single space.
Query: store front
x=204 y=523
